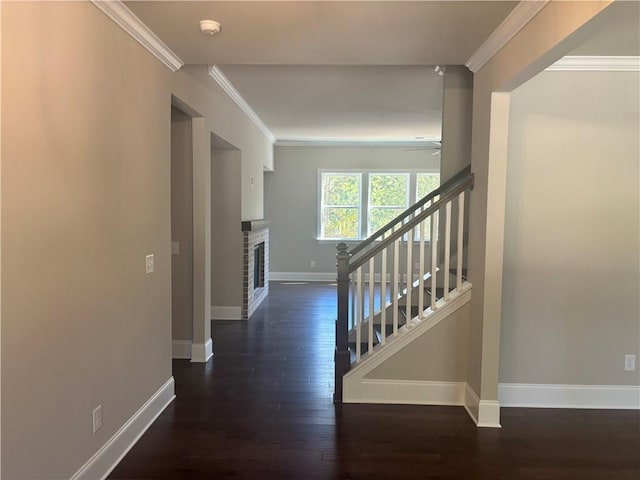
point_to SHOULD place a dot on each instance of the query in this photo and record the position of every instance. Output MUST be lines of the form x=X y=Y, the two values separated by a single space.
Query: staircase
x=401 y=281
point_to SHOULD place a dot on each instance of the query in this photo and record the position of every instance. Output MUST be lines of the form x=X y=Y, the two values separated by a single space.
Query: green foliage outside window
x=387 y=198
x=426 y=184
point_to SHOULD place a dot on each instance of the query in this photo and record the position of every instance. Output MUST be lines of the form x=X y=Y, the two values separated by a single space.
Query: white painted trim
x=471 y=403
x=181 y=349
x=231 y=91
x=226 y=313
x=201 y=353
x=514 y=22
x=596 y=64
x=102 y=463
x=302 y=276
x=412 y=392
x=489 y=414
x=484 y=413
x=569 y=396
x=117 y=11
x=360 y=142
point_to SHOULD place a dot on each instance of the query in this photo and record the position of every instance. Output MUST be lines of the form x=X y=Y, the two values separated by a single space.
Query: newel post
x=342 y=354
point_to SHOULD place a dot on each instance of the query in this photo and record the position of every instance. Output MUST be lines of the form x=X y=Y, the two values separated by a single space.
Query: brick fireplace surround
x=254 y=233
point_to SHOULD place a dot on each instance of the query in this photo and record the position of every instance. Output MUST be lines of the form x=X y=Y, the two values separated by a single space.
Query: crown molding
x=230 y=90
x=510 y=26
x=356 y=142
x=596 y=64
x=130 y=23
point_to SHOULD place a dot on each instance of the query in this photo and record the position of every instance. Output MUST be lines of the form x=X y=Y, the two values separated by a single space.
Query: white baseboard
x=181 y=349
x=484 y=413
x=226 y=313
x=202 y=352
x=489 y=414
x=100 y=465
x=303 y=276
x=405 y=392
x=569 y=396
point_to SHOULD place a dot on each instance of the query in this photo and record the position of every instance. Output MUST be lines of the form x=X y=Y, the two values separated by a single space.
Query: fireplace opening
x=258 y=266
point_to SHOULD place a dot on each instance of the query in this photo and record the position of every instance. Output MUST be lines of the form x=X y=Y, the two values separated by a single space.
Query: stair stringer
x=355 y=385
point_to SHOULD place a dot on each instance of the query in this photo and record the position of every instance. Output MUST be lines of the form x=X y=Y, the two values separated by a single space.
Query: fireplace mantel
x=255 y=225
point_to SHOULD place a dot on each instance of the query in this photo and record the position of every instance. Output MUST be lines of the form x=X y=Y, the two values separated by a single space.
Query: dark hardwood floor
x=262 y=409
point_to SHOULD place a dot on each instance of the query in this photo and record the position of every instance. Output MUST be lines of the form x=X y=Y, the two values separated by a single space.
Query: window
x=352 y=205
x=340 y=205
x=388 y=198
x=426 y=183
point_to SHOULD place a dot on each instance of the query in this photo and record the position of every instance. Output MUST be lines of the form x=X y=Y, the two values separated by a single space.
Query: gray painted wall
x=571 y=266
x=438 y=355
x=457 y=108
x=181 y=226
x=226 y=233
x=291 y=198
x=86 y=194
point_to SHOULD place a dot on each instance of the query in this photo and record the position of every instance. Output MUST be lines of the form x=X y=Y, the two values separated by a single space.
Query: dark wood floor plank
x=262 y=409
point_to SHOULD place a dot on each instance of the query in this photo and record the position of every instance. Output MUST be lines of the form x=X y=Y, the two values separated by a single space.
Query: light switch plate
x=150 y=263
x=630 y=363
x=175 y=248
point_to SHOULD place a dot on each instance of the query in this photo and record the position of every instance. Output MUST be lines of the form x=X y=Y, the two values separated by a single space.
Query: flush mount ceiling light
x=209 y=27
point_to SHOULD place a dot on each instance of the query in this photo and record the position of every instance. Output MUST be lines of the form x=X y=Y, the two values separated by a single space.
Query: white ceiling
x=332 y=70
x=340 y=103
x=324 y=32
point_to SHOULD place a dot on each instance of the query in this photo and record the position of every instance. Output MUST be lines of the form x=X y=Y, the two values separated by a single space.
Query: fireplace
x=255 y=276
x=258 y=266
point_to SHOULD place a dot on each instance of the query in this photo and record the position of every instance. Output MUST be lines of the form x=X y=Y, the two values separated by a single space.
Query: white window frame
x=363 y=210
x=322 y=206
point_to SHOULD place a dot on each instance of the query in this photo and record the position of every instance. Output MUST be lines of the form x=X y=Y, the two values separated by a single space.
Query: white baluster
x=460 y=241
x=359 y=312
x=383 y=295
x=434 y=258
x=409 y=277
x=421 y=271
x=447 y=249
x=394 y=285
x=352 y=291
x=371 y=298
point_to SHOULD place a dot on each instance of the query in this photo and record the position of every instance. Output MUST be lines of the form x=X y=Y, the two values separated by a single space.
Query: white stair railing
x=375 y=269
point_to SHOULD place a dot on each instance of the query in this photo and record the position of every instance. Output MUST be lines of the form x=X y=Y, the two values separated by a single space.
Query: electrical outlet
x=175 y=248
x=630 y=363
x=312 y=264
x=150 y=264
x=97 y=418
